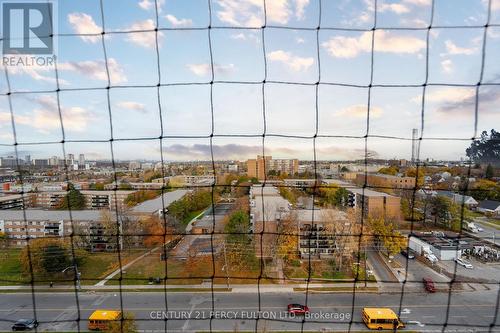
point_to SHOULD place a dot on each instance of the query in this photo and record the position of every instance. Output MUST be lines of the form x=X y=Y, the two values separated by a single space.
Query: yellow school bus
x=381 y=318
x=100 y=319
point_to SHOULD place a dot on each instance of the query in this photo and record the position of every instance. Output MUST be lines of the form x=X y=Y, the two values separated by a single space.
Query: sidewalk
x=241 y=288
x=124 y=267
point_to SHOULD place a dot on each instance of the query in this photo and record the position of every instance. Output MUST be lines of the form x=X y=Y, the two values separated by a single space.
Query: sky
x=185 y=111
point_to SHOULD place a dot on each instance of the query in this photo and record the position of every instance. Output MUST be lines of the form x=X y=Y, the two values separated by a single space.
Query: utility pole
x=77 y=275
x=225 y=265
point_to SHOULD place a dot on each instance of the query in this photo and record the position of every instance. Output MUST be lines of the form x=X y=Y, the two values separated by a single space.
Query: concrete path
x=124 y=267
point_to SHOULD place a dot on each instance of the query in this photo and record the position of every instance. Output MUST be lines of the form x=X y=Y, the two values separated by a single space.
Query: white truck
x=470 y=226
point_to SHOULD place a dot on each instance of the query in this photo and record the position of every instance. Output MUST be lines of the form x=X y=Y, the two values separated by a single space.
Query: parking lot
x=489 y=272
x=417 y=271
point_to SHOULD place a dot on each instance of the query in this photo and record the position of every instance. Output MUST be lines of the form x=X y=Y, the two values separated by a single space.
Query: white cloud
x=149 y=4
x=447 y=66
x=394 y=7
x=83 y=23
x=300 y=6
x=293 y=62
x=96 y=70
x=45 y=117
x=360 y=111
x=37 y=73
x=145 y=39
x=146 y=4
x=178 y=22
x=4 y=118
x=349 y=47
x=204 y=69
x=495 y=4
x=446 y=95
x=240 y=36
x=251 y=13
x=453 y=49
x=134 y=106
x=418 y=2
x=300 y=40
x=250 y=36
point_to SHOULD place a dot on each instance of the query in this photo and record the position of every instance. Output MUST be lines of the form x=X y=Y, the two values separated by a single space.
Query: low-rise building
x=21 y=225
x=444 y=245
x=489 y=207
x=16 y=201
x=458 y=199
x=385 y=181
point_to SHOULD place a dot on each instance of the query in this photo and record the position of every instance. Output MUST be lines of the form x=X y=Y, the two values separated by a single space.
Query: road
x=188 y=312
x=489 y=233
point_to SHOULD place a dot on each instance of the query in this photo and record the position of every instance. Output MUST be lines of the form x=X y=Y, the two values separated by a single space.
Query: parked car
x=464 y=263
x=298 y=309
x=408 y=254
x=429 y=284
x=24 y=325
x=431 y=257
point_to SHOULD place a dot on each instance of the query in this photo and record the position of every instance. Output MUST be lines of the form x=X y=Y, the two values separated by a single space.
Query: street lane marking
x=216 y=308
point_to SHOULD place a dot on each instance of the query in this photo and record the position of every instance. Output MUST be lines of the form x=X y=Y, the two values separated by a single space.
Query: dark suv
x=24 y=325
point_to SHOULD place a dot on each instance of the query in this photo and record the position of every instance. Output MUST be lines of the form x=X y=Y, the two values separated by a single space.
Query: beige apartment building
x=93 y=199
x=385 y=181
x=260 y=166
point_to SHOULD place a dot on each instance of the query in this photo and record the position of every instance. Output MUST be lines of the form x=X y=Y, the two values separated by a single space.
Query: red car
x=298 y=309
x=429 y=285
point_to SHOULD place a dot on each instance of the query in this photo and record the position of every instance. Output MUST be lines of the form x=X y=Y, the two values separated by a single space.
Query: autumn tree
x=46 y=256
x=156 y=232
x=239 y=247
x=392 y=170
x=125 y=325
x=288 y=238
x=385 y=235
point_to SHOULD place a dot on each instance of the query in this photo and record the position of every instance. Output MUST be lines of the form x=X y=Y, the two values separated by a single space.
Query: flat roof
x=50 y=215
x=156 y=204
x=369 y=193
x=383 y=313
x=107 y=192
x=105 y=315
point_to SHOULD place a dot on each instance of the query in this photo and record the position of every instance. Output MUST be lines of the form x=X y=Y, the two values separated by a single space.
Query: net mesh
x=218 y=247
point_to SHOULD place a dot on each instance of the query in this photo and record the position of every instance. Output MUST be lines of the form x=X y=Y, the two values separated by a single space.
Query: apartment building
x=376 y=203
x=385 y=181
x=93 y=199
x=50 y=199
x=262 y=165
x=20 y=225
x=16 y=201
x=106 y=199
x=317 y=230
x=267 y=208
x=136 y=186
x=187 y=180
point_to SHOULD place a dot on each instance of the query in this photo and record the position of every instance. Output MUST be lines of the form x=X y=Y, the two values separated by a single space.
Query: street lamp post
x=77 y=274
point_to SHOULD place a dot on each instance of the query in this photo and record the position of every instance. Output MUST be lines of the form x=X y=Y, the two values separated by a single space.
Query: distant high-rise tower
x=415 y=145
x=81 y=160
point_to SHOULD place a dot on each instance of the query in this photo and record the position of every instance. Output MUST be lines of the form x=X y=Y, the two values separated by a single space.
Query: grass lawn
x=10 y=268
x=191 y=216
x=319 y=269
x=185 y=272
x=94 y=267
